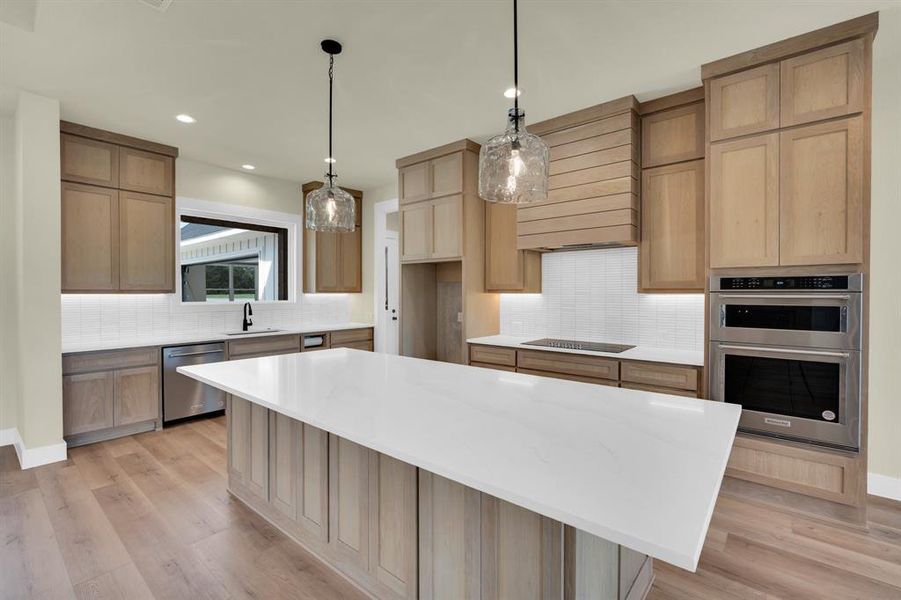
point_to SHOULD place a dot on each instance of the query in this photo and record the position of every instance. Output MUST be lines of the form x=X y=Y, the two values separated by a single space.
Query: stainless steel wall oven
x=787 y=349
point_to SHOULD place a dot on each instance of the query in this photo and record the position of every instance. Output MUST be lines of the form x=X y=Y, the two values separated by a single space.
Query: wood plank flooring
x=148 y=516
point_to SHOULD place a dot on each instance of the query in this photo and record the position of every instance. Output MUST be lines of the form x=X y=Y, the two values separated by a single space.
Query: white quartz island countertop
x=636 y=468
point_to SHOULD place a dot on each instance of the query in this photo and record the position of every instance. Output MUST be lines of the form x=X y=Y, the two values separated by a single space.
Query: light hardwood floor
x=148 y=516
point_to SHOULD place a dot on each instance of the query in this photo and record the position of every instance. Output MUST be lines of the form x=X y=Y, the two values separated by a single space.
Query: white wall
x=36 y=278
x=885 y=247
x=9 y=318
x=194 y=179
x=593 y=295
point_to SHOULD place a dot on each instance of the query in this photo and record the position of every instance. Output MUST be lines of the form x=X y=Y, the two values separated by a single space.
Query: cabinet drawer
x=492 y=354
x=84 y=362
x=666 y=376
x=263 y=346
x=568 y=377
x=658 y=389
x=364 y=345
x=350 y=335
x=570 y=364
x=495 y=367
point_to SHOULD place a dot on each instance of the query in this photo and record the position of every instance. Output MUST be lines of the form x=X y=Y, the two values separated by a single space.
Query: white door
x=389 y=290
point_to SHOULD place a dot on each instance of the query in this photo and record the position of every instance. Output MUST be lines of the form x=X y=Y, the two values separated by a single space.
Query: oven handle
x=784 y=350
x=786 y=296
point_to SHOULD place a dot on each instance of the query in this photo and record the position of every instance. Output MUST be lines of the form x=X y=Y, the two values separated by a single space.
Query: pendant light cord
x=331 y=158
x=515 y=69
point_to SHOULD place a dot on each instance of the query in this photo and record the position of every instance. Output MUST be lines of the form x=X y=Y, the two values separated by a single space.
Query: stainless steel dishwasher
x=186 y=397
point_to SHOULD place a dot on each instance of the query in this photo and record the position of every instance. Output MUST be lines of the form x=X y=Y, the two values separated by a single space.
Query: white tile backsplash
x=126 y=317
x=593 y=295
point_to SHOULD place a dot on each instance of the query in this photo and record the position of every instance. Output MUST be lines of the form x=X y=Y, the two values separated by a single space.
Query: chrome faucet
x=248 y=312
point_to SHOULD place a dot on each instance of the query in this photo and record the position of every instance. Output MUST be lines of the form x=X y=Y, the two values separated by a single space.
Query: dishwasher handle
x=196 y=353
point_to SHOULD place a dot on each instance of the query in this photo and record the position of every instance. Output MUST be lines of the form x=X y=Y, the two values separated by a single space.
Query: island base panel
x=398 y=532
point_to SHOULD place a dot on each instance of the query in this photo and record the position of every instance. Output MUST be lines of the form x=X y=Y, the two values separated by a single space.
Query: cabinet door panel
x=87 y=402
x=672 y=135
x=257 y=480
x=312 y=488
x=350 y=273
x=744 y=202
x=147 y=172
x=393 y=515
x=745 y=102
x=506 y=268
x=90 y=238
x=672 y=227
x=328 y=261
x=522 y=553
x=823 y=84
x=416 y=231
x=349 y=502
x=821 y=194
x=137 y=395
x=447 y=175
x=284 y=463
x=89 y=161
x=146 y=242
x=238 y=424
x=414 y=183
x=447 y=227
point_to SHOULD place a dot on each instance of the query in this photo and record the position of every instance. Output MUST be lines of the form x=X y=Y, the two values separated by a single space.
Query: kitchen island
x=421 y=479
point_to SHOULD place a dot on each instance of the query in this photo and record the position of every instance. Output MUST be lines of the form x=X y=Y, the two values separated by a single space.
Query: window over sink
x=232 y=261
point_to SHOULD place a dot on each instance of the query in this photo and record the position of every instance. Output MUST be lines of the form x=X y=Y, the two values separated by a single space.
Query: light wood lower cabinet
x=110 y=394
x=349 y=503
x=392 y=503
x=88 y=402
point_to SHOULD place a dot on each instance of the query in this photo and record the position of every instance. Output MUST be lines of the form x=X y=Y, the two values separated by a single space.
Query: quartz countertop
x=197 y=338
x=640 y=469
x=661 y=355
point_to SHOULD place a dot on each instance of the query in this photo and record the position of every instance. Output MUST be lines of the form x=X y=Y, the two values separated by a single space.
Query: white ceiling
x=413 y=74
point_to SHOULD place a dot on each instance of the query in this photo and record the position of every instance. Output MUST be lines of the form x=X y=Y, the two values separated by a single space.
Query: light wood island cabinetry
x=117 y=212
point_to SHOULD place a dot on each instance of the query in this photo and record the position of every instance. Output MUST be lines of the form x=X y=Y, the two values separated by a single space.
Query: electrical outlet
x=460 y=317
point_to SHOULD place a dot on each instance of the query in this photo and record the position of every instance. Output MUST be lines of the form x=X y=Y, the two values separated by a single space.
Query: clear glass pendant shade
x=330 y=209
x=513 y=166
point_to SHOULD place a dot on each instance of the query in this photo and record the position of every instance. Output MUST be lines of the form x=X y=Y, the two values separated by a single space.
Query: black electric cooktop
x=577 y=345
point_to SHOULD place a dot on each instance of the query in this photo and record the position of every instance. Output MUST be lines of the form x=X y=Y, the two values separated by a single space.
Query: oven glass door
x=810 y=395
x=812 y=320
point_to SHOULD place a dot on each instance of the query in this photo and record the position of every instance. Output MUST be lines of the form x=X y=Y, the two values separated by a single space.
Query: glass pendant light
x=330 y=208
x=513 y=166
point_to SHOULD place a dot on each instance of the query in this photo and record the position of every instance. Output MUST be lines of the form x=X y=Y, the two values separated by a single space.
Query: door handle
x=197 y=353
x=785 y=350
x=785 y=296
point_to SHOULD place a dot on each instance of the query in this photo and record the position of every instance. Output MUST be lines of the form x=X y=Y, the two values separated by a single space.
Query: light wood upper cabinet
x=671 y=136
x=413 y=182
x=90 y=161
x=506 y=268
x=447 y=227
x=147 y=172
x=823 y=84
x=88 y=402
x=118 y=233
x=672 y=227
x=745 y=102
x=90 y=237
x=744 y=202
x=446 y=175
x=416 y=231
x=333 y=262
x=137 y=395
x=821 y=198
x=146 y=242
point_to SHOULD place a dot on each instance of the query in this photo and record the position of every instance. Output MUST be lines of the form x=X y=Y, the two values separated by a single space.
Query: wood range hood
x=594 y=172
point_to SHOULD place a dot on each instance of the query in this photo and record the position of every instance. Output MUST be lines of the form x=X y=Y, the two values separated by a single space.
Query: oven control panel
x=796 y=283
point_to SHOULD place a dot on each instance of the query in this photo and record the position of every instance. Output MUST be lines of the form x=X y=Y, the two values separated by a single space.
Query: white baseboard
x=884 y=486
x=32 y=457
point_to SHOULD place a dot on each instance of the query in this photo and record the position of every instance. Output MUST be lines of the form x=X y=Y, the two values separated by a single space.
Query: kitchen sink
x=255 y=331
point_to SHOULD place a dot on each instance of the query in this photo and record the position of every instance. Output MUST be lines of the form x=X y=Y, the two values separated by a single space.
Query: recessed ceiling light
x=248 y=167
x=330 y=160
x=511 y=91
x=185 y=118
